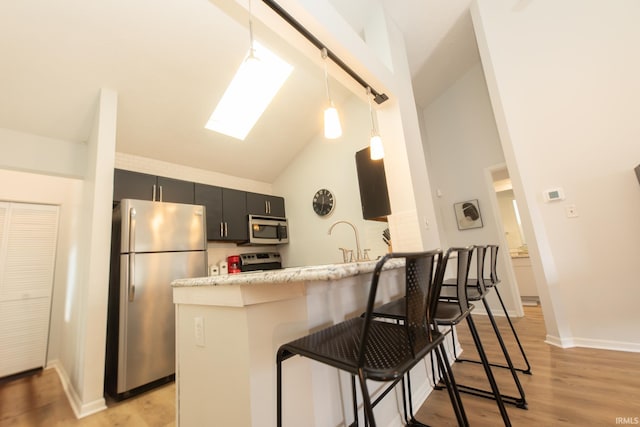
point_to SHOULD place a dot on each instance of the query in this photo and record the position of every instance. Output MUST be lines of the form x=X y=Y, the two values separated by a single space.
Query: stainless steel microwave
x=268 y=230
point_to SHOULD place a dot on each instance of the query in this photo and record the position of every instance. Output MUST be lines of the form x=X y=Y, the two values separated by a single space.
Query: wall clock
x=323 y=202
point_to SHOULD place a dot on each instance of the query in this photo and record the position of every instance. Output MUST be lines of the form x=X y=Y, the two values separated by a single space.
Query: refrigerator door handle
x=132 y=256
x=132 y=230
x=132 y=272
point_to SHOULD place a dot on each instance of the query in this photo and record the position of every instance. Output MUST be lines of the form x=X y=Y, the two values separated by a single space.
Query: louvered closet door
x=28 y=237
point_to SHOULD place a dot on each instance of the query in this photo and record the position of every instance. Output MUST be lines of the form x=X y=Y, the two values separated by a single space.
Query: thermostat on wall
x=553 y=194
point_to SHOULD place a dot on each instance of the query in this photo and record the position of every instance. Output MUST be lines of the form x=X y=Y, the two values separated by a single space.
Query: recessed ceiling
x=170 y=63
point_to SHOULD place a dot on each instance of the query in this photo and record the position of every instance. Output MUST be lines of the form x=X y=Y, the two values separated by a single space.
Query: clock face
x=323 y=202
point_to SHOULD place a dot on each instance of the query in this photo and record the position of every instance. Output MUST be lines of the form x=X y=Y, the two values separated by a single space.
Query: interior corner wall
x=461 y=143
x=331 y=165
x=563 y=82
x=100 y=161
x=83 y=336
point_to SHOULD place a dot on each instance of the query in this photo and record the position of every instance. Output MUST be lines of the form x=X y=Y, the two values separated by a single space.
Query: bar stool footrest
x=415 y=423
x=496 y=365
x=518 y=402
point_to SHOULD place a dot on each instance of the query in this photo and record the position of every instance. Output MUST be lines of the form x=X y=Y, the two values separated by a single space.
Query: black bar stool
x=477 y=291
x=382 y=351
x=450 y=312
x=492 y=284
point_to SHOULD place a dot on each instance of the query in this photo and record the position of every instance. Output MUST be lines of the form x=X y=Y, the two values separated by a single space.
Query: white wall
x=461 y=143
x=563 y=79
x=331 y=165
x=32 y=153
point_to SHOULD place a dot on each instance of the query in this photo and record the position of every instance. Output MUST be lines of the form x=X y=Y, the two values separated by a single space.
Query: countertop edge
x=287 y=275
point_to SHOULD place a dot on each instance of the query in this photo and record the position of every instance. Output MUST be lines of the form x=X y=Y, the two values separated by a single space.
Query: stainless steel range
x=258 y=261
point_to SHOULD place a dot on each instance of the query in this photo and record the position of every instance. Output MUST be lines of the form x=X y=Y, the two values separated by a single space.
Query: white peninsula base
x=229 y=329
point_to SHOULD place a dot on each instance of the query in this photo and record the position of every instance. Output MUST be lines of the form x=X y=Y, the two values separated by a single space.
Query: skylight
x=253 y=87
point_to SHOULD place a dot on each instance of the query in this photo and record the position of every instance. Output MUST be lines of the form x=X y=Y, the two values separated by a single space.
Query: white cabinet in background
x=524 y=275
x=28 y=237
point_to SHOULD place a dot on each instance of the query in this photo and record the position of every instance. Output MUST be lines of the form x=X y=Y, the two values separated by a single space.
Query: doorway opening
x=511 y=227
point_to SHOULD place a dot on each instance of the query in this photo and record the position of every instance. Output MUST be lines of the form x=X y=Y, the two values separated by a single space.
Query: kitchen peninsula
x=230 y=327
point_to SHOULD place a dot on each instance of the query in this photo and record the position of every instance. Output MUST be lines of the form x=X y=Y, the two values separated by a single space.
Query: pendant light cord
x=326 y=75
x=373 y=123
x=251 y=48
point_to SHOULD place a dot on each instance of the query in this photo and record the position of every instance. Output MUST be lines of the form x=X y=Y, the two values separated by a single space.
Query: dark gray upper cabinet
x=132 y=185
x=175 y=190
x=226 y=212
x=263 y=204
x=136 y=185
x=374 y=195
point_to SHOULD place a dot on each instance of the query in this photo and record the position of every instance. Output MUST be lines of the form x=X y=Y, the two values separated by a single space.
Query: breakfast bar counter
x=229 y=328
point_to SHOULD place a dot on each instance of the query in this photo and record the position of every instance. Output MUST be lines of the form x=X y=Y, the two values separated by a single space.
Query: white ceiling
x=170 y=62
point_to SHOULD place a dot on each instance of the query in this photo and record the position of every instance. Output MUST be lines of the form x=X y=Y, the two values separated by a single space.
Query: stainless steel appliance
x=153 y=243
x=268 y=230
x=259 y=261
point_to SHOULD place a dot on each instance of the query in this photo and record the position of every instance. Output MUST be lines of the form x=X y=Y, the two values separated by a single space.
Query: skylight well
x=255 y=84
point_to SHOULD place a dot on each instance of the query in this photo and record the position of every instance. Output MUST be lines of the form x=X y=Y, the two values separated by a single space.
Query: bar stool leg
x=279 y=390
x=449 y=380
x=368 y=409
x=515 y=334
x=485 y=363
x=521 y=402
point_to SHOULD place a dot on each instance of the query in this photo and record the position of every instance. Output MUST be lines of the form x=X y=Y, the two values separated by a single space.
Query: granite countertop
x=291 y=274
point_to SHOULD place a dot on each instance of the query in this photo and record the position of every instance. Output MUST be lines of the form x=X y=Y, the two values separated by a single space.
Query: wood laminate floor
x=39 y=400
x=569 y=387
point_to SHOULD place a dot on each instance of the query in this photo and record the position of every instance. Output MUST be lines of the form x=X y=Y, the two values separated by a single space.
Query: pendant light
x=332 y=127
x=375 y=143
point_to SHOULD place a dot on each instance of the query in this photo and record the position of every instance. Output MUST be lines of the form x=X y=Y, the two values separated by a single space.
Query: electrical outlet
x=571 y=211
x=198 y=323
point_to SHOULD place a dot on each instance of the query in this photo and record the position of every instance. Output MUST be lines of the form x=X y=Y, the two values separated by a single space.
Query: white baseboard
x=80 y=409
x=593 y=343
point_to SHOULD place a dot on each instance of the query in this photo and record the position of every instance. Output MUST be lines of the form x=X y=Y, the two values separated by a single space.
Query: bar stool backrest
x=493 y=260
x=419 y=278
x=481 y=252
x=462 y=273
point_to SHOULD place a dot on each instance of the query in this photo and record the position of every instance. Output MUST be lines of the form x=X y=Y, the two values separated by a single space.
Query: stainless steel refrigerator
x=152 y=244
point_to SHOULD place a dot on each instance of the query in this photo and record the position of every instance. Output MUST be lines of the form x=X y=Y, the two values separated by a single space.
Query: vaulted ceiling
x=170 y=63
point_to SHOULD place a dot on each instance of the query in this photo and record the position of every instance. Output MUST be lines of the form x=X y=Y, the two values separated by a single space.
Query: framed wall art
x=468 y=214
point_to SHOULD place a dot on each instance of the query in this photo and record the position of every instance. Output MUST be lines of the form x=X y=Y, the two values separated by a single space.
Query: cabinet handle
x=154 y=193
x=160 y=192
x=221 y=229
x=226 y=231
x=266 y=206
